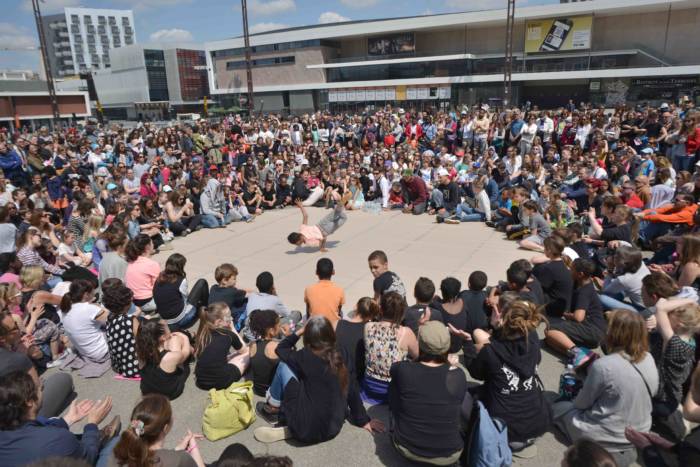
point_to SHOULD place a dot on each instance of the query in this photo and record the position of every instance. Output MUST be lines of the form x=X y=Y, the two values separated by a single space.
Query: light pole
x=248 y=70
x=508 y=64
x=45 y=60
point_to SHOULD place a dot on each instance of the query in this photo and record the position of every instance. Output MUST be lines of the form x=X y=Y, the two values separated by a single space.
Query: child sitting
x=539 y=227
x=265 y=325
x=583 y=328
x=225 y=290
x=69 y=253
x=474 y=299
x=396 y=196
x=215 y=337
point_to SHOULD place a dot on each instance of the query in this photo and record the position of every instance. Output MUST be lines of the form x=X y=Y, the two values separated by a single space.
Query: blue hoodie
x=11 y=165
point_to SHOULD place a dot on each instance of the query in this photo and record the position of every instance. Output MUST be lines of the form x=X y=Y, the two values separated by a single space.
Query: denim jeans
x=683 y=163
x=106 y=452
x=615 y=302
x=279 y=382
x=648 y=231
x=466 y=213
x=210 y=221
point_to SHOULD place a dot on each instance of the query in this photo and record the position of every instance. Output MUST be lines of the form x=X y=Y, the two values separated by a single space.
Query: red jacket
x=410 y=135
x=693 y=143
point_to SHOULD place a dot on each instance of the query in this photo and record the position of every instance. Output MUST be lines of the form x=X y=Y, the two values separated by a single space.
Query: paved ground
x=416 y=247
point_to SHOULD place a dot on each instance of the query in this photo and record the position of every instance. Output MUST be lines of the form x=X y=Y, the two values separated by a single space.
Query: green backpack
x=229 y=411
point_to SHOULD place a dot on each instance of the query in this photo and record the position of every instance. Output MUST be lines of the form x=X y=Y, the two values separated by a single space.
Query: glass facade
x=276 y=47
x=269 y=61
x=194 y=84
x=155 y=69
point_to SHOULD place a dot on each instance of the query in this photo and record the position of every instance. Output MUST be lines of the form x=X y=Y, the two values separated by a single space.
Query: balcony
x=63 y=34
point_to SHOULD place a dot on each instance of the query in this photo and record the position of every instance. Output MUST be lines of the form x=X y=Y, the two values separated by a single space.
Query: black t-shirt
x=415 y=312
x=586 y=298
x=653 y=129
x=213 y=370
x=557 y=284
x=248 y=196
x=619 y=232
x=477 y=317
x=425 y=403
x=231 y=296
x=349 y=338
x=389 y=282
x=268 y=195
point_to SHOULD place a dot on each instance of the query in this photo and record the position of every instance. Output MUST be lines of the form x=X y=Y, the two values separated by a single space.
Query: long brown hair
x=627 y=333
x=690 y=249
x=147 y=341
x=150 y=418
x=319 y=337
x=207 y=317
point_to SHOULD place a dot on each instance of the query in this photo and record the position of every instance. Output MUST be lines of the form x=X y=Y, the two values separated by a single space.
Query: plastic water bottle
x=569 y=384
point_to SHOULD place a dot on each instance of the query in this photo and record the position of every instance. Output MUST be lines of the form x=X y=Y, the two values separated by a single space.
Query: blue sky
x=197 y=21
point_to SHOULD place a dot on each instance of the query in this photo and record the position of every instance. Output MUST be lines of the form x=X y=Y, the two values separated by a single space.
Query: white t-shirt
x=84 y=332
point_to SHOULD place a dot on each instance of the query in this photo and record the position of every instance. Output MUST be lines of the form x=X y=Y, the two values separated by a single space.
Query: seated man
x=266 y=299
x=316 y=235
x=415 y=193
x=659 y=221
x=444 y=197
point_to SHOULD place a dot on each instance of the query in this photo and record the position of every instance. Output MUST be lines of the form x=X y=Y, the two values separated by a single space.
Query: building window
x=258 y=62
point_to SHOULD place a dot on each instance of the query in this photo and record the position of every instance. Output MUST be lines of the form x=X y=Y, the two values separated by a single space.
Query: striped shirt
x=29 y=257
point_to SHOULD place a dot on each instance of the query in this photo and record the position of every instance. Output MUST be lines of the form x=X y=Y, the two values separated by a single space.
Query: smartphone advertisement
x=558 y=34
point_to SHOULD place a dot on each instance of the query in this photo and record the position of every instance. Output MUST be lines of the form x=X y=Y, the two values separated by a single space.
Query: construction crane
x=45 y=61
x=508 y=64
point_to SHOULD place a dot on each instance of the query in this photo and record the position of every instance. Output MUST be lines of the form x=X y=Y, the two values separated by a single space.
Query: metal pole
x=508 y=64
x=248 y=70
x=45 y=60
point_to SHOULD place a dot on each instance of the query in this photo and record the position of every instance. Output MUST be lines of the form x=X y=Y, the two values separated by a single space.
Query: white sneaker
x=58 y=361
x=268 y=434
x=452 y=221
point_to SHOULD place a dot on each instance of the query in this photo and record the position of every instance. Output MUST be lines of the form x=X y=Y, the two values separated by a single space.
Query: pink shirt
x=140 y=277
x=312 y=234
x=12 y=278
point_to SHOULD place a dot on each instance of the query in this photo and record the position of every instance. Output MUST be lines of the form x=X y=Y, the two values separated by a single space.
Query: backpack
x=229 y=411
x=489 y=442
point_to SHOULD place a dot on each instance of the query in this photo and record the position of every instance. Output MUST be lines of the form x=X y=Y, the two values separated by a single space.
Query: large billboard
x=558 y=34
x=394 y=44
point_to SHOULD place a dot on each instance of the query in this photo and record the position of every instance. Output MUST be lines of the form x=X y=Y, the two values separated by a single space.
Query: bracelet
x=192 y=447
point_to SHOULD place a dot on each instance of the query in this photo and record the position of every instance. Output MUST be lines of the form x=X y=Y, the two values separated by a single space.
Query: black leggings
x=199 y=294
x=185 y=223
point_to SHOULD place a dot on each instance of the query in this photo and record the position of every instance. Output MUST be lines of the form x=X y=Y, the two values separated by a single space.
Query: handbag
x=229 y=411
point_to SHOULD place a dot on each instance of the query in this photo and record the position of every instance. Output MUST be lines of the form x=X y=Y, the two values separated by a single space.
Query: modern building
x=79 y=39
x=18 y=75
x=152 y=82
x=27 y=102
x=601 y=51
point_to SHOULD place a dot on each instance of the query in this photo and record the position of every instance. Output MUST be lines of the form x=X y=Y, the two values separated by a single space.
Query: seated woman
x=507 y=362
x=121 y=328
x=555 y=277
x=136 y=226
x=427 y=399
x=622 y=288
x=26 y=437
x=179 y=212
x=386 y=342
x=83 y=323
x=687 y=271
x=350 y=332
x=143 y=440
x=312 y=389
x=27 y=245
x=141 y=271
x=174 y=304
x=617 y=392
x=215 y=338
x=265 y=325
x=163 y=358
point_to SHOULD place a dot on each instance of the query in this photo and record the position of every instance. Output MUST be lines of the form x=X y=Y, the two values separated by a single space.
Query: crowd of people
x=606 y=198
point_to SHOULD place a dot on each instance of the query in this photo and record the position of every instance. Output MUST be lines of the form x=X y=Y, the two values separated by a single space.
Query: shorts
x=537 y=239
x=582 y=334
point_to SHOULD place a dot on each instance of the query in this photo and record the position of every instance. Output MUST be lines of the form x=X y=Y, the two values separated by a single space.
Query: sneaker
x=268 y=434
x=452 y=221
x=261 y=408
x=527 y=452
x=58 y=361
x=166 y=247
x=250 y=219
x=490 y=224
x=439 y=219
x=580 y=357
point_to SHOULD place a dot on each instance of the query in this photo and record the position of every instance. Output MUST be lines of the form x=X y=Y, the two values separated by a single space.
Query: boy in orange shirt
x=324 y=298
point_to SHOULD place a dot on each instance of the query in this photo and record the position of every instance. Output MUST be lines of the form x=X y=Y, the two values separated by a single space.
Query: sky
x=199 y=21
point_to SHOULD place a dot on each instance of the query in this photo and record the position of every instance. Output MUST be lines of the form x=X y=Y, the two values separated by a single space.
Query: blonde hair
x=207 y=317
x=688 y=317
x=31 y=276
x=520 y=318
x=627 y=333
x=94 y=224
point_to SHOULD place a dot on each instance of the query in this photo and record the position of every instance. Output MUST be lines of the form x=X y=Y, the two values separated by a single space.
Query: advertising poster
x=370 y=95
x=360 y=95
x=380 y=94
x=399 y=94
x=342 y=96
x=332 y=96
x=411 y=94
x=558 y=34
x=394 y=44
x=444 y=93
x=350 y=95
x=422 y=93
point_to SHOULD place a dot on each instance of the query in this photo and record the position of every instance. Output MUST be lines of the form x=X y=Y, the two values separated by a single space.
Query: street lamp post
x=248 y=70
x=45 y=60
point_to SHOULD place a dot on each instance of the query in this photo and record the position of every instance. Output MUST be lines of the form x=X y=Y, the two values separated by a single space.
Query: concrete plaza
x=416 y=247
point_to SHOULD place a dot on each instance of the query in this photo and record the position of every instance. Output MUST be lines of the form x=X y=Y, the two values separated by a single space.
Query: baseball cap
x=647 y=151
x=434 y=338
x=407 y=173
x=102 y=172
x=111 y=186
x=442 y=172
x=167 y=189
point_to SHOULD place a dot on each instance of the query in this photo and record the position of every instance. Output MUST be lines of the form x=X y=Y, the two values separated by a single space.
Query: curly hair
x=263 y=320
x=116 y=296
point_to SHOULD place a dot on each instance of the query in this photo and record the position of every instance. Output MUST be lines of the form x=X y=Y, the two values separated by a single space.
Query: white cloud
x=328 y=17
x=271 y=7
x=172 y=35
x=16 y=37
x=50 y=6
x=262 y=27
x=359 y=3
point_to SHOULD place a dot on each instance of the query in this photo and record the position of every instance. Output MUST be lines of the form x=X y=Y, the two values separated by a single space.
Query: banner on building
x=558 y=34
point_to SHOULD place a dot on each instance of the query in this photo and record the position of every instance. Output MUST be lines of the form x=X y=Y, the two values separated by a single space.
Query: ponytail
x=319 y=337
x=207 y=316
x=149 y=419
x=76 y=293
x=149 y=333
